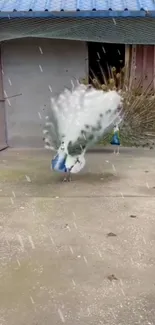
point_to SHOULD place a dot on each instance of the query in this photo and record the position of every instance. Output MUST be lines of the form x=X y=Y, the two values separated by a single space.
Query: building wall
x=142 y=68
x=32 y=67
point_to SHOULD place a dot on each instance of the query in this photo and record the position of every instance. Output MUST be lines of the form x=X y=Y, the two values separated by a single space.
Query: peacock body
x=78 y=119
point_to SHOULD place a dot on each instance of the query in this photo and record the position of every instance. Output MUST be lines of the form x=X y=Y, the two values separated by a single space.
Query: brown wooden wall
x=142 y=67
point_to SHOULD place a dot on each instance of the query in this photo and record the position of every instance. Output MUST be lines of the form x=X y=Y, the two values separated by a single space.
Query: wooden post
x=3 y=134
x=127 y=65
x=133 y=66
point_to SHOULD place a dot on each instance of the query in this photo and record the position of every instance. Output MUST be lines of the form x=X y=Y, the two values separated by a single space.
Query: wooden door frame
x=4 y=144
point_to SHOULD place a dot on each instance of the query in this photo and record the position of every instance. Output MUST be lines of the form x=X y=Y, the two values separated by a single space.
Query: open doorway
x=104 y=59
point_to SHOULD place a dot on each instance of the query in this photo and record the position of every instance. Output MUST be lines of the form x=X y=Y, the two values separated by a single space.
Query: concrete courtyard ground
x=79 y=253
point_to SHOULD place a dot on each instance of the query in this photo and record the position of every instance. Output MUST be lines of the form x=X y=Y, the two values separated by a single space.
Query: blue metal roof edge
x=77 y=14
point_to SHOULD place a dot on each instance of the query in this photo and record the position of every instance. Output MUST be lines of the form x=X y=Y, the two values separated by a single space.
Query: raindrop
x=122 y=195
x=31 y=242
x=40 y=67
x=75 y=225
x=39 y=115
x=40 y=49
x=61 y=315
x=147 y=185
x=50 y=88
x=21 y=241
x=8 y=102
x=18 y=263
x=32 y=300
x=98 y=54
x=71 y=249
x=85 y=259
x=13 y=193
x=72 y=83
x=113 y=167
x=114 y=21
x=10 y=83
x=12 y=201
x=28 y=179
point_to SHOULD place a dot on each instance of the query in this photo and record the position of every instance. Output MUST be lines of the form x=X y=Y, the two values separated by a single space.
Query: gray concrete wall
x=60 y=62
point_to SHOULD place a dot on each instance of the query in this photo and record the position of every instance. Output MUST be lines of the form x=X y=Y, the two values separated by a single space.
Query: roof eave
x=77 y=14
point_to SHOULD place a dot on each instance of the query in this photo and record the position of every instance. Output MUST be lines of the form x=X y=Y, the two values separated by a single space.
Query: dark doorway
x=103 y=59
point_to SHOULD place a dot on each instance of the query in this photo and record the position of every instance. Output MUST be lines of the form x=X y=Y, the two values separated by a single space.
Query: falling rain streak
x=5 y=93
x=13 y=193
x=39 y=115
x=18 y=263
x=40 y=67
x=122 y=195
x=74 y=215
x=21 y=241
x=71 y=249
x=50 y=88
x=31 y=242
x=98 y=54
x=85 y=259
x=61 y=315
x=32 y=300
x=52 y=240
x=10 y=83
x=12 y=201
x=28 y=178
x=147 y=185
x=72 y=83
x=40 y=49
x=75 y=225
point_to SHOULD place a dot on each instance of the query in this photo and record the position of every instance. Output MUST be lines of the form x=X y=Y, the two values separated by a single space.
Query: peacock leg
x=69 y=177
x=65 y=178
x=117 y=150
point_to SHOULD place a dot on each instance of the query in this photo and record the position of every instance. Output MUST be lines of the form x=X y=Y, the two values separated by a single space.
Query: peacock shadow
x=88 y=178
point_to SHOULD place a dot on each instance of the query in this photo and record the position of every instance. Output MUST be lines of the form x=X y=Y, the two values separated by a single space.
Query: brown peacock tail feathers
x=138 y=126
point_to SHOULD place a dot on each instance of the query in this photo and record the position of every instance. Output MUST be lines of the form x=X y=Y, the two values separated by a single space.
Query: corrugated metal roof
x=84 y=7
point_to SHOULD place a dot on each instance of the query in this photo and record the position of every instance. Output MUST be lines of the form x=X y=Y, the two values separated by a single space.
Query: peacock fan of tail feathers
x=137 y=127
x=78 y=119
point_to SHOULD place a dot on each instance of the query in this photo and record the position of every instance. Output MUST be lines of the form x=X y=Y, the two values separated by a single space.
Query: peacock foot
x=67 y=178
